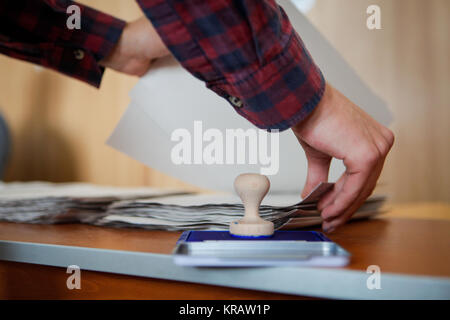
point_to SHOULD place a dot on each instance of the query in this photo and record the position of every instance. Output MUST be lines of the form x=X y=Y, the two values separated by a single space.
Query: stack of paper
x=217 y=211
x=151 y=208
x=42 y=202
x=216 y=214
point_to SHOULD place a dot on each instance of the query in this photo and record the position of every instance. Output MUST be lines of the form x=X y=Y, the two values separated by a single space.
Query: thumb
x=318 y=167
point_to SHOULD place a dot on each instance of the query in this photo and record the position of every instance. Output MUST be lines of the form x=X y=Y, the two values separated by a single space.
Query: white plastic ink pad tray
x=284 y=248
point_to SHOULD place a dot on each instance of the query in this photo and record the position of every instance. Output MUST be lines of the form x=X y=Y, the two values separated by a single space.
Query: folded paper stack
x=43 y=202
x=153 y=208
x=217 y=211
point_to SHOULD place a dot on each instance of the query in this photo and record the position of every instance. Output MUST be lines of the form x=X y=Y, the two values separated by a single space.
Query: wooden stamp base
x=252 y=228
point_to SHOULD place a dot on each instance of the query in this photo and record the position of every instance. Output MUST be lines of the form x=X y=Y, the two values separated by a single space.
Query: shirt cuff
x=77 y=52
x=279 y=94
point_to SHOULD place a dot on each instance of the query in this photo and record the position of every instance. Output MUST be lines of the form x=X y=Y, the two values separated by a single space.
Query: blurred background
x=59 y=125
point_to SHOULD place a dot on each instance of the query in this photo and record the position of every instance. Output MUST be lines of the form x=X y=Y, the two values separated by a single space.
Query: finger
x=318 y=168
x=330 y=196
x=334 y=222
x=366 y=190
x=387 y=135
x=383 y=148
x=353 y=185
x=383 y=138
x=359 y=170
x=331 y=224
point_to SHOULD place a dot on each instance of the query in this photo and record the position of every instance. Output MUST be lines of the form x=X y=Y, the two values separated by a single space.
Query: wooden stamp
x=251 y=188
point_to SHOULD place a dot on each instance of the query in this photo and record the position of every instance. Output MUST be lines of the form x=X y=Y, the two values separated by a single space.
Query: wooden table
x=409 y=239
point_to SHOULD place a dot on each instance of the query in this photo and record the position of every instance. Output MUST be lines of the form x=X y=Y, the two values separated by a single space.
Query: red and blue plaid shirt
x=244 y=50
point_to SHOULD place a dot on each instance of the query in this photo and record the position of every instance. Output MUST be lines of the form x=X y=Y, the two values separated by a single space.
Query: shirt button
x=79 y=54
x=235 y=101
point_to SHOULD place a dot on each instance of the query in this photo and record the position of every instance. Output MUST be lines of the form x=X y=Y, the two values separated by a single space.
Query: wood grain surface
x=398 y=245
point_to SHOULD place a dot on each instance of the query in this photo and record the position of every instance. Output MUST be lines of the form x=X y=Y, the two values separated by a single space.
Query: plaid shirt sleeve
x=244 y=50
x=36 y=31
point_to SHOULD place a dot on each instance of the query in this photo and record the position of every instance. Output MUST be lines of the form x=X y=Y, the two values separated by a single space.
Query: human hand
x=138 y=45
x=340 y=129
